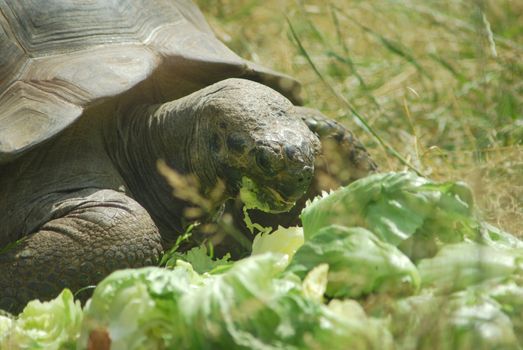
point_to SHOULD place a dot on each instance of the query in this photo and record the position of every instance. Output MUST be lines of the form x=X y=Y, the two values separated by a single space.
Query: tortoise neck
x=170 y=132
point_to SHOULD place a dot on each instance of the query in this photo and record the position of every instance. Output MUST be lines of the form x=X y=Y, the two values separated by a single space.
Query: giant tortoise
x=92 y=95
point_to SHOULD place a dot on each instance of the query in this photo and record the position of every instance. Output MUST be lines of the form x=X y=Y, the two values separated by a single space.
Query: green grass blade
x=342 y=99
x=448 y=66
x=391 y=45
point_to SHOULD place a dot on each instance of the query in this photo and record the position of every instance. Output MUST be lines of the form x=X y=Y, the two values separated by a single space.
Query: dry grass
x=441 y=81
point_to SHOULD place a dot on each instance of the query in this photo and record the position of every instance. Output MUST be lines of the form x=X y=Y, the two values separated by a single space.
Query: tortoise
x=92 y=95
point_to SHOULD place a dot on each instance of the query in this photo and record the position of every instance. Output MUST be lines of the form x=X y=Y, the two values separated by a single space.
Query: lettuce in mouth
x=264 y=199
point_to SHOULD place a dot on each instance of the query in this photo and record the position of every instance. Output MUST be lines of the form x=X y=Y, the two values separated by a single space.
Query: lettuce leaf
x=346 y=326
x=468 y=319
x=392 y=205
x=49 y=325
x=359 y=263
x=509 y=294
x=416 y=214
x=457 y=266
x=315 y=282
x=283 y=240
x=6 y=326
x=200 y=260
x=253 y=305
x=138 y=308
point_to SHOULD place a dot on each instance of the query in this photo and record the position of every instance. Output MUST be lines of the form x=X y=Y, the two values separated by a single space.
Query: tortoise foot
x=105 y=232
x=343 y=158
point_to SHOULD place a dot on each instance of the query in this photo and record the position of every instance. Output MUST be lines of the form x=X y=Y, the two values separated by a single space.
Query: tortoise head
x=259 y=147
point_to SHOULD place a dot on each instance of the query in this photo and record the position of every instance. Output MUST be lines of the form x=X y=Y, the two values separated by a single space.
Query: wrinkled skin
x=342 y=160
x=92 y=200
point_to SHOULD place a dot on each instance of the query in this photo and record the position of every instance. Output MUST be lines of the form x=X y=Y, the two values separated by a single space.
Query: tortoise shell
x=59 y=58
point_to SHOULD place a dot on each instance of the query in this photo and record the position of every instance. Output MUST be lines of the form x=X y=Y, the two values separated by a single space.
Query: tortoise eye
x=266 y=160
x=236 y=143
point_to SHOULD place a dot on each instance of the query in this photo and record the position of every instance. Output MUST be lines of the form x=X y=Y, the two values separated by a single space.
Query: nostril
x=308 y=172
x=236 y=143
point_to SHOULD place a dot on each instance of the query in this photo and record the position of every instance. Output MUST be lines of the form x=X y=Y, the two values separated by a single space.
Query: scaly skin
x=101 y=231
x=342 y=160
x=91 y=200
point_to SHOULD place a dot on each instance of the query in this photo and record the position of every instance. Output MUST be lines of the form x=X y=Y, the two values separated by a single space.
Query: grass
x=440 y=82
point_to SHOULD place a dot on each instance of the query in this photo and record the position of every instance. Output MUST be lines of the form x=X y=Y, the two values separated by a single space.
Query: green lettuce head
x=417 y=215
x=48 y=325
x=468 y=319
x=394 y=206
x=252 y=305
x=139 y=308
x=359 y=263
x=457 y=266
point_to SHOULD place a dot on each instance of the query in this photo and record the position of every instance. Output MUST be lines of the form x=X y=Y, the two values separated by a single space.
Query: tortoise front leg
x=98 y=234
x=343 y=158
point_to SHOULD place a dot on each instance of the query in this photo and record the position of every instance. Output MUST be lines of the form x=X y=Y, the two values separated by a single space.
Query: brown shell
x=59 y=57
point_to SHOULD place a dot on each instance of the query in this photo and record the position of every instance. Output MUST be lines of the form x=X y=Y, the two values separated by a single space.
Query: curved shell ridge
x=30 y=115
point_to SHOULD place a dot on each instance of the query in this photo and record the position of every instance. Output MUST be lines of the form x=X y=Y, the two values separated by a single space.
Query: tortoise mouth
x=264 y=198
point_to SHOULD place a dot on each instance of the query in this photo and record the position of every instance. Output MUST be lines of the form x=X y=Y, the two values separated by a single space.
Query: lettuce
x=315 y=282
x=138 y=308
x=199 y=259
x=253 y=305
x=509 y=294
x=457 y=266
x=250 y=195
x=359 y=263
x=468 y=319
x=6 y=325
x=395 y=206
x=346 y=326
x=283 y=240
x=391 y=261
x=43 y=325
x=497 y=238
x=415 y=214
